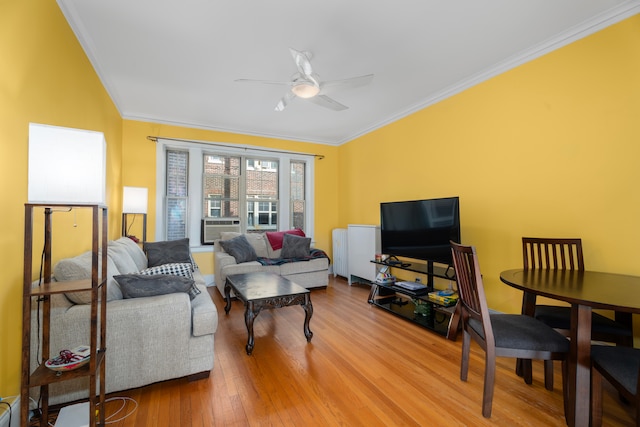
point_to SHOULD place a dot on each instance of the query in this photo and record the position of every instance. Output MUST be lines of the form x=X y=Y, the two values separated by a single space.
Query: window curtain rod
x=214 y=144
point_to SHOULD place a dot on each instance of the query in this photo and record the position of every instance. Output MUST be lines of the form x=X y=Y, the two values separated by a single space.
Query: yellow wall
x=45 y=78
x=550 y=148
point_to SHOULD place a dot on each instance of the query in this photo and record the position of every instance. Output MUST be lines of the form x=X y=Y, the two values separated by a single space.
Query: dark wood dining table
x=584 y=290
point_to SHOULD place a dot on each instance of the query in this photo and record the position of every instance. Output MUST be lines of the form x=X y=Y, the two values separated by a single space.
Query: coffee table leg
x=249 y=317
x=308 y=312
x=227 y=297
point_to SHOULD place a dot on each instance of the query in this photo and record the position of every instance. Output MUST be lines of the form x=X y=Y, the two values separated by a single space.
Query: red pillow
x=276 y=237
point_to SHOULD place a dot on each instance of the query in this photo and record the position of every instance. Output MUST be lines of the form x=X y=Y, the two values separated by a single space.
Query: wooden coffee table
x=266 y=290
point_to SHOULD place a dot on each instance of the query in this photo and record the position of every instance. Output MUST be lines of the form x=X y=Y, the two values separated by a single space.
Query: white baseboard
x=15 y=413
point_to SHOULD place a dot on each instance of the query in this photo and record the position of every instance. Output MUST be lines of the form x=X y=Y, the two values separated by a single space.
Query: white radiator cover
x=364 y=244
x=340 y=252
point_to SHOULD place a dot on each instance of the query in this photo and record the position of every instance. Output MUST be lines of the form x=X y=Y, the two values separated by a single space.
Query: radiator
x=340 y=257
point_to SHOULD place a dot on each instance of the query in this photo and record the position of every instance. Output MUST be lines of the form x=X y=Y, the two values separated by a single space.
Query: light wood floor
x=363 y=367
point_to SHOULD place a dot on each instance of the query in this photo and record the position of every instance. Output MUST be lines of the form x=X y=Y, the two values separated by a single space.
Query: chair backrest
x=471 y=290
x=552 y=254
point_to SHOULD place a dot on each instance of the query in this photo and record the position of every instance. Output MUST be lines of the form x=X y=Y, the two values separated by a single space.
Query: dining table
x=584 y=290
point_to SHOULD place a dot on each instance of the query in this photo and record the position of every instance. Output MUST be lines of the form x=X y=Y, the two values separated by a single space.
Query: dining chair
x=499 y=335
x=566 y=254
x=620 y=366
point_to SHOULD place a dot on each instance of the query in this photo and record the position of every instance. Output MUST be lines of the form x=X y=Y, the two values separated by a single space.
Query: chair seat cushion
x=559 y=317
x=523 y=332
x=622 y=363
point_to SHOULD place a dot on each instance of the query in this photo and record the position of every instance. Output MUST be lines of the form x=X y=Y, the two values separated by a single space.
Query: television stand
x=403 y=302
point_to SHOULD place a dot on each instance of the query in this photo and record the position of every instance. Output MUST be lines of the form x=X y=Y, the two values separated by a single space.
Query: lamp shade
x=66 y=166
x=134 y=200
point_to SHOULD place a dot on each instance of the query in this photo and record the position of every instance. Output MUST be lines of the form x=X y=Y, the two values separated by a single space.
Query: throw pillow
x=174 y=269
x=140 y=285
x=295 y=246
x=276 y=237
x=239 y=248
x=167 y=252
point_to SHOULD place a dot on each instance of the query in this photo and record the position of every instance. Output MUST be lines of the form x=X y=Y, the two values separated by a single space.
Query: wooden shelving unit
x=42 y=377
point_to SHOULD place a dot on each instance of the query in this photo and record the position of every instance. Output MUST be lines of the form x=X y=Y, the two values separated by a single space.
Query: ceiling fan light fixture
x=305 y=90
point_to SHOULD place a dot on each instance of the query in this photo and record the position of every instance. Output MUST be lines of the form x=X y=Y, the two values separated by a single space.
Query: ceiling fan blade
x=349 y=83
x=302 y=60
x=284 y=101
x=326 y=102
x=268 y=82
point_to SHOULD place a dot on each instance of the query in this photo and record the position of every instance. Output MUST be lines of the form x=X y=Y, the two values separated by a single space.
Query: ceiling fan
x=307 y=85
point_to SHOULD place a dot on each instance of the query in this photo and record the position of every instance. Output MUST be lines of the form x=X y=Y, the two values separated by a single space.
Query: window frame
x=196 y=170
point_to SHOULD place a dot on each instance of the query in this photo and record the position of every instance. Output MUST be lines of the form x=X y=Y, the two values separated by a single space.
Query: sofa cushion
x=121 y=258
x=228 y=235
x=79 y=268
x=239 y=248
x=134 y=250
x=276 y=237
x=302 y=267
x=294 y=246
x=141 y=285
x=249 y=267
x=174 y=269
x=167 y=252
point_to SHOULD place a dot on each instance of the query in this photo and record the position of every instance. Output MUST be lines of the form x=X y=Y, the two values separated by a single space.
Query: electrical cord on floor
x=110 y=420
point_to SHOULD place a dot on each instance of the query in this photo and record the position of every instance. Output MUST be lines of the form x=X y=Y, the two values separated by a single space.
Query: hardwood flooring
x=363 y=367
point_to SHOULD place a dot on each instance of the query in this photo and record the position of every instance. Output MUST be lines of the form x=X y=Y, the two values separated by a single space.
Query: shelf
x=64 y=287
x=95 y=370
x=64 y=205
x=43 y=375
x=430 y=269
x=438 y=320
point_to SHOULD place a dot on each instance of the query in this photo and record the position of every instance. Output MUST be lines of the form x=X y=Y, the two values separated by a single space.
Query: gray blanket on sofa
x=313 y=254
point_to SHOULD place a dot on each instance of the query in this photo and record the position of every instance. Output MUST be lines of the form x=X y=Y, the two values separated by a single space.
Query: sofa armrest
x=221 y=259
x=204 y=314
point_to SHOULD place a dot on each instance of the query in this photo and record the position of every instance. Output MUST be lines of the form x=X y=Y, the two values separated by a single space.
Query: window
x=261 y=192
x=221 y=186
x=297 y=186
x=214 y=207
x=262 y=195
x=177 y=190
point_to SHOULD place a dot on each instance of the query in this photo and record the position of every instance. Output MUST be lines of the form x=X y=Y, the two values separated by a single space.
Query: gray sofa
x=149 y=338
x=309 y=273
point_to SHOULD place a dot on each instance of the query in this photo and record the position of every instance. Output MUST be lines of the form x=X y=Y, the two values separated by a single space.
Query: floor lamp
x=134 y=201
x=66 y=171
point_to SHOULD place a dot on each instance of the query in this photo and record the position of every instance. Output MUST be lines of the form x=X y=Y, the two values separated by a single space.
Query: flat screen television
x=420 y=229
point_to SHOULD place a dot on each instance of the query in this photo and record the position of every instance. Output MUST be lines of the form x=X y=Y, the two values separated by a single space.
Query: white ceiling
x=175 y=61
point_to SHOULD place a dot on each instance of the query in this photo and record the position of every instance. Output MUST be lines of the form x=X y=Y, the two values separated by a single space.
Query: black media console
x=402 y=302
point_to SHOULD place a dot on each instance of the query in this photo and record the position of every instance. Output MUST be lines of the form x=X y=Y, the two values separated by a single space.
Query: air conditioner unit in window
x=212 y=227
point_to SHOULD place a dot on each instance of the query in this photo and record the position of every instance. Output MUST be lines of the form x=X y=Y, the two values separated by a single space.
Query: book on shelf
x=443 y=298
